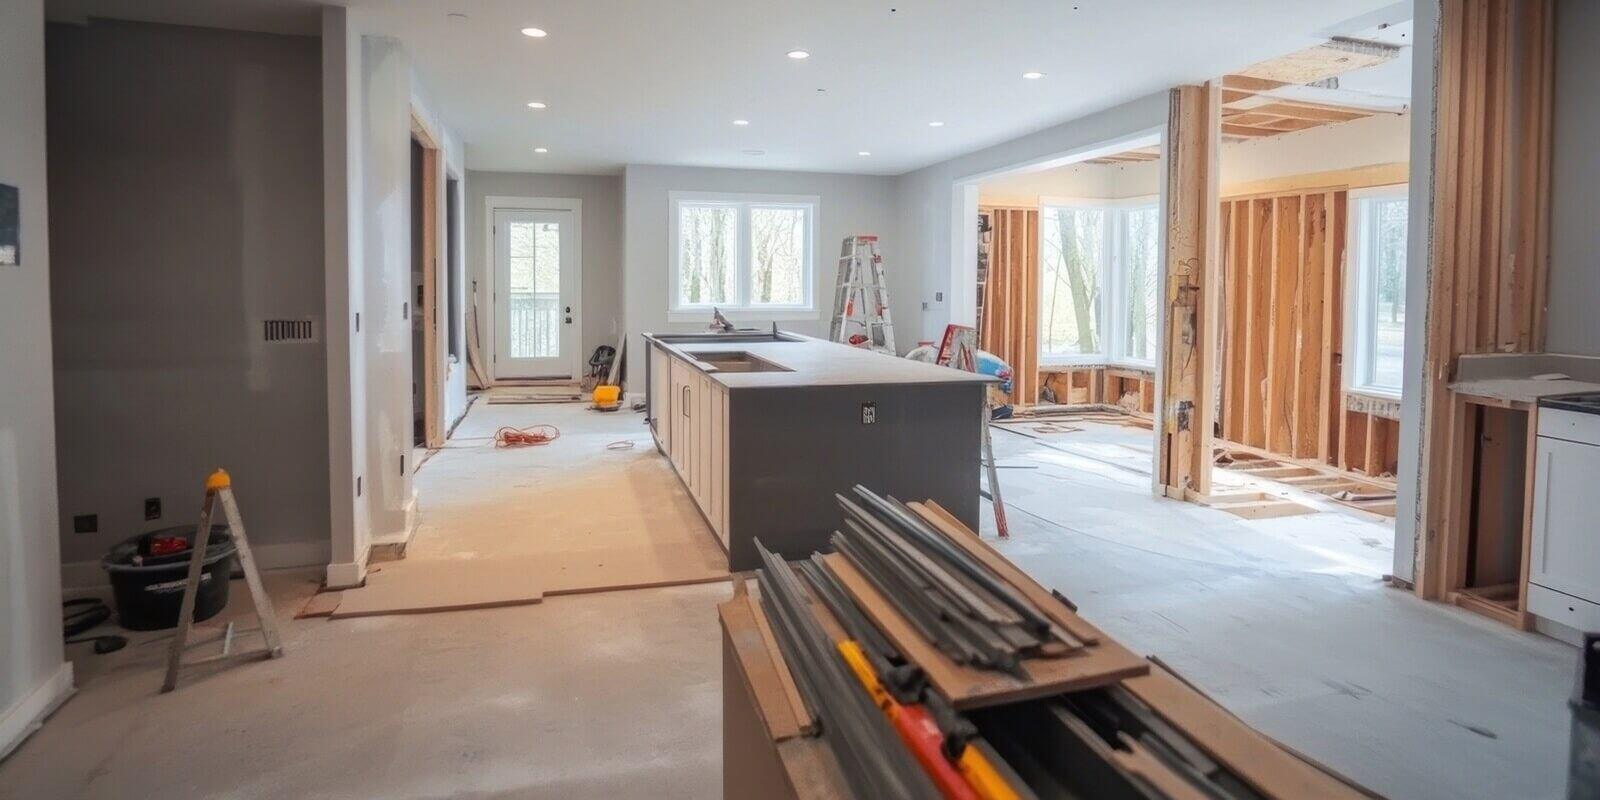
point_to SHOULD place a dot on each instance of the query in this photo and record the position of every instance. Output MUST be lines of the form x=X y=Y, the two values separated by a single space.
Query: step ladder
x=219 y=489
x=959 y=350
x=861 y=297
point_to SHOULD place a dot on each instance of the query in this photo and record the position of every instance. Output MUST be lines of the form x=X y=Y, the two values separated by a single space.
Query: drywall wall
x=1409 y=481
x=450 y=164
x=385 y=310
x=33 y=676
x=1572 y=326
x=343 y=254
x=1379 y=139
x=185 y=182
x=601 y=247
x=1083 y=180
x=929 y=205
x=848 y=204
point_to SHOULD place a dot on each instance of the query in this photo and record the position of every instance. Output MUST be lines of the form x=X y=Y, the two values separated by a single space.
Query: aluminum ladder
x=861 y=297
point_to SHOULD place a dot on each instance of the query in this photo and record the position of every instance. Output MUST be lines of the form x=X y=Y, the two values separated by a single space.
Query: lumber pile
x=928 y=665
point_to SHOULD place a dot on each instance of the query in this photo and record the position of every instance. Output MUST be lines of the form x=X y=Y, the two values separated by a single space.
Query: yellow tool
x=607 y=398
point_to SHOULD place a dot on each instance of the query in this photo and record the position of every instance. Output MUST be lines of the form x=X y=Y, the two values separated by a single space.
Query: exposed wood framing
x=1009 y=326
x=1282 y=341
x=1489 y=253
x=1192 y=279
x=1132 y=389
x=427 y=309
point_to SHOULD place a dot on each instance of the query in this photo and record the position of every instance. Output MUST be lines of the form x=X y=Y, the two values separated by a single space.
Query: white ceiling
x=660 y=81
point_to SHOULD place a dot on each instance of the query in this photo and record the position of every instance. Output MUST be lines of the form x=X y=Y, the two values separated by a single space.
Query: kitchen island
x=765 y=428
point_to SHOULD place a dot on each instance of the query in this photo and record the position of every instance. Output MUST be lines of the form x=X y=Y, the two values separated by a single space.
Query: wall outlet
x=869 y=413
x=86 y=523
x=152 y=508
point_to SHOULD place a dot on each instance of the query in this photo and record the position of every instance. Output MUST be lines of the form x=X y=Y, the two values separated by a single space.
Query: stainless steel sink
x=736 y=361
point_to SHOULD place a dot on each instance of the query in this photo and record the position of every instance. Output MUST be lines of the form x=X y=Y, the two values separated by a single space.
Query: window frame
x=1111 y=305
x=742 y=308
x=1361 y=291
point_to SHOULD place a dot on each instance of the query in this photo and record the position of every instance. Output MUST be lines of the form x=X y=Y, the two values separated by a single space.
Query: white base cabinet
x=1564 y=554
x=689 y=416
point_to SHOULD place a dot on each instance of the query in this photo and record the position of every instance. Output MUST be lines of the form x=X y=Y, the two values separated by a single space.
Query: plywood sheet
x=420 y=587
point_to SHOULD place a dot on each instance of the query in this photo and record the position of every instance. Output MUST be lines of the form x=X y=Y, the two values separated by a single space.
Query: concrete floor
x=617 y=695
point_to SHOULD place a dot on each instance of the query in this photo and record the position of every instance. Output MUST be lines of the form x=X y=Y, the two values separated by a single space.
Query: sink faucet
x=719 y=322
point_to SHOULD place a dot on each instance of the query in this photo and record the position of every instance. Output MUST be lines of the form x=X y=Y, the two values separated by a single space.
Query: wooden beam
x=1246 y=130
x=1245 y=83
x=1358 y=178
x=1190 y=273
x=1310 y=111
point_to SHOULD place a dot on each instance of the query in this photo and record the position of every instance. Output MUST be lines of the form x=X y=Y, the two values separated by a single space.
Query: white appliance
x=1564 y=568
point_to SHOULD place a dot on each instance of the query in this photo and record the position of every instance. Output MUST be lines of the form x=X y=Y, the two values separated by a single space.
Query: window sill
x=1047 y=364
x=1375 y=394
x=744 y=314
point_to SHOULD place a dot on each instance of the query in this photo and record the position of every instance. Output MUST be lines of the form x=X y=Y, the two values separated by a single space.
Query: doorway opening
x=427 y=364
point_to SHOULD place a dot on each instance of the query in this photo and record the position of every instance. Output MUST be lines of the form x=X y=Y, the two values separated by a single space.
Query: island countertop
x=806 y=361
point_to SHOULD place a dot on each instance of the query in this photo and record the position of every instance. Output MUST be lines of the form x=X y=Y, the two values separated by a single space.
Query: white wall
x=1573 y=326
x=849 y=204
x=385 y=330
x=34 y=678
x=601 y=269
x=928 y=200
x=1379 y=139
x=158 y=294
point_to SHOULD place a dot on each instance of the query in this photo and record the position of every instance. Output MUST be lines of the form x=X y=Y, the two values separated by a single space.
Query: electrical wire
x=526 y=437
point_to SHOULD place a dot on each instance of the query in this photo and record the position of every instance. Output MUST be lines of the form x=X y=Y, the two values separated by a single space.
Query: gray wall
x=601 y=246
x=849 y=204
x=32 y=673
x=1573 y=326
x=185 y=178
x=927 y=197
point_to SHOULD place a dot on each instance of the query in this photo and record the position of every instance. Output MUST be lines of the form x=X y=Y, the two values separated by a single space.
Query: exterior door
x=536 y=275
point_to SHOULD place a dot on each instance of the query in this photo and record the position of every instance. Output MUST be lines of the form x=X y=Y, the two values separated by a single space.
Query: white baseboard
x=402 y=537
x=20 y=720
x=348 y=574
x=80 y=576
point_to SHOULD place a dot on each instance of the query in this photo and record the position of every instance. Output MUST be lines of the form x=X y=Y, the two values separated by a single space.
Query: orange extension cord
x=526 y=437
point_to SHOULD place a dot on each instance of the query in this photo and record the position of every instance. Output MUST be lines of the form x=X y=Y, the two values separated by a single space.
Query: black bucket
x=149 y=589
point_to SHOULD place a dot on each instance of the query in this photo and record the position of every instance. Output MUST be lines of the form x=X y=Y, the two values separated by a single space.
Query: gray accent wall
x=186 y=193
x=33 y=675
x=1573 y=326
x=601 y=247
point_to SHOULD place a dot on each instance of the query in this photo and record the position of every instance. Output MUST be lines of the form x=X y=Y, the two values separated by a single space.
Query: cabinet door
x=661 y=396
x=1565 y=552
x=702 y=461
x=719 y=463
x=680 y=416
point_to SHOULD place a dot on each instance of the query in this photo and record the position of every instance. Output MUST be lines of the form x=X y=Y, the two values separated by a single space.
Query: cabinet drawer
x=1570 y=425
x=1570 y=611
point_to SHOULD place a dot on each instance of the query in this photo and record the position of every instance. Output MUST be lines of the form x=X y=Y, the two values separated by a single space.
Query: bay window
x=1098 y=273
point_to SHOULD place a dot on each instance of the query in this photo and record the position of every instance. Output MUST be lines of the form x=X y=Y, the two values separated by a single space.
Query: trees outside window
x=1098 y=275
x=742 y=252
x=1377 y=302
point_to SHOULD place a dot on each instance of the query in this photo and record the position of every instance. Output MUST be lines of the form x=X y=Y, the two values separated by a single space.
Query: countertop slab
x=815 y=362
x=1509 y=376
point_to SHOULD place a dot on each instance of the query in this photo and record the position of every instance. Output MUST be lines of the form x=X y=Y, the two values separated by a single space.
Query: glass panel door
x=534 y=278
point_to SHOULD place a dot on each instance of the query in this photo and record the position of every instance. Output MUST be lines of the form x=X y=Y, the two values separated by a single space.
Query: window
x=1098 y=273
x=1377 y=302
x=742 y=253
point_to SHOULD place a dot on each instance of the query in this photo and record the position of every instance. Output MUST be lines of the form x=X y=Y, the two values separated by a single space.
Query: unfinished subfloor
x=618 y=694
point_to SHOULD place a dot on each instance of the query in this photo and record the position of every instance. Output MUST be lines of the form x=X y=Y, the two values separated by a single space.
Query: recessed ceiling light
x=741 y=122
x=535 y=33
x=798 y=54
x=541 y=149
x=536 y=104
x=1033 y=76
x=936 y=124
x=864 y=153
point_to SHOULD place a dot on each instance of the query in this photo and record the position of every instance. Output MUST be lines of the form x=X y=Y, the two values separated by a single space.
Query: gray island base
x=765 y=428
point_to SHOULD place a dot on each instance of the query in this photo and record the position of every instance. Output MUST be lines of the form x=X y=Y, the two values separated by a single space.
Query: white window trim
x=743 y=310
x=1361 y=296
x=1114 y=285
